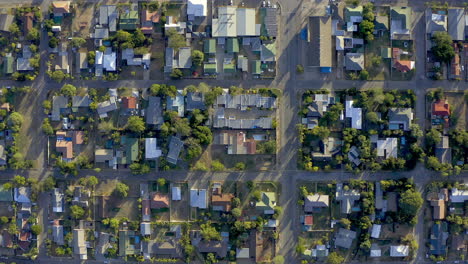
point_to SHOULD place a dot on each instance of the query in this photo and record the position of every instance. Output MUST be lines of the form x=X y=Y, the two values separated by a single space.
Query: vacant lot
x=84 y=14
x=180 y=210
x=459 y=117
x=377 y=72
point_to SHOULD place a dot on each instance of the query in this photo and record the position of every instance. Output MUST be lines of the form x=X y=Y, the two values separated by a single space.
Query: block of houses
x=387 y=148
x=315 y=203
x=79 y=244
x=148 y=20
x=221 y=120
x=400 y=23
x=435 y=22
x=235 y=22
x=354 y=61
x=400 y=118
x=152 y=151
x=176 y=104
x=198 y=198
x=344 y=238
x=153 y=113
x=159 y=200
x=175 y=147
x=237 y=143
x=354 y=114
x=320 y=43
x=245 y=101
x=443 y=152
x=438 y=238
x=456 y=23
x=267 y=203
x=105 y=107
x=57 y=200
x=220 y=201
x=347 y=198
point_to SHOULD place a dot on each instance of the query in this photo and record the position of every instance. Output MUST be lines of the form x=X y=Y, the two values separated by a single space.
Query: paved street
x=292 y=19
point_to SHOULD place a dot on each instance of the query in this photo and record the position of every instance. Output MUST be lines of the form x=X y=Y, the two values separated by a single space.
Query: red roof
x=159 y=200
x=403 y=66
x=308 y=220
x=396 y=53
x=148 y=16
x=441 y=108
x=129 y=102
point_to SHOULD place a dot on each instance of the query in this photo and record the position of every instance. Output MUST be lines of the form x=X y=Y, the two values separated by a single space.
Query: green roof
x=129 y=21
x=229 y=68
x=131 y=150
x=352 y=11
x=386 y=53
x=8 y=65
x=209 y=67
x=402 y=14
x=267 y=201
x=209 y=46
x=232 y=45
x=256 y=67
x=5 y=195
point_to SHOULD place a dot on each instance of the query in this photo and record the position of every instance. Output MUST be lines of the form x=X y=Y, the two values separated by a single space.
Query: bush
x=299 y=69
x=216 y=165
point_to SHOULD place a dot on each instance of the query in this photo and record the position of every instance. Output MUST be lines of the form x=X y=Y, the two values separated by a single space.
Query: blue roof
x=176 y=104
x=325 y=69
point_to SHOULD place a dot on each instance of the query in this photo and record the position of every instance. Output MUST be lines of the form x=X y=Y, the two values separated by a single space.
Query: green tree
x=77 y=212
x=442 y=47
x=278 y=259
x=176 y=74
x=19 y=181
x=346 y=223
x=367 y=29
x=121 y=189
x=208 y=232
x=123 y=36
x=77 y=42
x=161 y=182
x=372 y=117
x=368 y=12
x=135 y=124
x=12 y=229
x=364 y=75
x=48 y=184
x=68 y=90
x=47 y=127
x=57 y=76
x=433 y=137
x=216 y=165
x=36 y=229
x=433 y=163
x=335 y=258
x=240 y=166
x=176 y=40
x=14 y=29
x=138 y=38
x=15 y=121
x=410 y=202
x=197 y=57
x=266 y=147
x=203 y=134
x=4 y=220
x=53 y=42
x=320 y=132
x=236 y=212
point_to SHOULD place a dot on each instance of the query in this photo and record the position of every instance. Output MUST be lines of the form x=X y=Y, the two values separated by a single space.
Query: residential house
x=220 y=201
x=268 y=52
x=108 y=17
x=128 y=152
x=347 y=198
x=105 y=107
x=320 y=39
x=456 y=23
x=59 y=104
x=438 y=238
x=148 y=19
x=129 y=105
x=129 y=20
x=153 y=113
x=443 y=151
x=344 y=238
x=308 y=222
x=100 y=34
x=159 y=200
x=79 y=243
x=110 y=60
x=80 y=102
x=8 y=62
x=22 y=194
x=57 y=200
x=439 y=209
x=440 y=112
x=354 y=61
x=57 y=233
x=219 y=248
x=387 y=148
x=403 y=65
x=198 y=198
x=458 y=196
x=270 y=24
x=236 y=142
x=170 y=248
x=320 y=251
x=400 y=23
x=353 y=156
x=3 y=156
x=315 y=203
x=175 y=146
x=129 y=243
x=235 y=22
x=61 y=8
x=267 y=203
x=381 y=25
x=176 y=104
x=103 y=155
x=145 y=228
x=354 y=114
x=209 y=47
x=81 y=196
x=152 y=151
x=353 y=14
x=195 y=100
x=375 y=231
x=435 y=22
x=176 y=193
x=28 y=20
x=242 y=253
x=375 y=251
x=5 y=22
x=400 y=118
x=64 y=145
x=196 y=8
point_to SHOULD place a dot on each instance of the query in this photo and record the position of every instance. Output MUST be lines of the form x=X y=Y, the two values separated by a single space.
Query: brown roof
x=25 y=236
x=218 y=247
x=129 y=102
x=148 y=16
x=308 y=220
x=5 y=106
x=28 y=22
x=78 y=137
x=61 y=7
x=439 y=209
x=64 y=147
x=441 y=108
x=403 y=66
x=223 y=199
x=159 y=200
x=145 y=207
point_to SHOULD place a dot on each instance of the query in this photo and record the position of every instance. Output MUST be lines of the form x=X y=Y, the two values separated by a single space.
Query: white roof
x=387 y=147
x=458 y=196
x=355 y=114
x=376 y=253
x=198 y=198
x=197 y=8
x=339 y=43
x=110 y=61
x=376 y=231
x=145 y=228
x=233 y=22
x=243 y=253
x=99 y=58
x=21 y=195
x=151 y=149
x=176 y=194
x=399 y=251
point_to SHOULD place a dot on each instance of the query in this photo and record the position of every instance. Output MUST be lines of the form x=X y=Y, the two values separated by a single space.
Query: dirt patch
x=84 y=14
x=180 y=210
x=459 y=116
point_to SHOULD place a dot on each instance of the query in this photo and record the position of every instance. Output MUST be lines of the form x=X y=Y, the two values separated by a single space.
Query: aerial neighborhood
x=233 y=131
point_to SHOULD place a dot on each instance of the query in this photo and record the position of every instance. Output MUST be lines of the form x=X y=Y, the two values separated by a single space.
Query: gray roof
x=195 y=101
x=400 y=116
x=270 y=22
x=154 y=111
x=354 y=61
x=22 y=64
x=169 y=59
x=345 y=238
x=2 y=153
x=5 y=22
x=217 y=247
x=456 y=23
x=243 y=101
x=320 y=39
x=101 y=33
x=315 y=109
x=220 y=121
x=107 y=106
x=184 y=60
x=80 y=101
x=58 y=103
x=175 y=146
x=108 y=16
x=435 y=22
x=443 y=151
x=57 y=235
x=168 y=248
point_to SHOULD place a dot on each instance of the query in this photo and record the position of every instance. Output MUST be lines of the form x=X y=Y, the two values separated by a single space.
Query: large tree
x=136 y=124
x=442 y=46
x=410 y=203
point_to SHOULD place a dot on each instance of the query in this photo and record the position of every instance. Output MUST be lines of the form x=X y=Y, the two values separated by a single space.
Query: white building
x=234 y=22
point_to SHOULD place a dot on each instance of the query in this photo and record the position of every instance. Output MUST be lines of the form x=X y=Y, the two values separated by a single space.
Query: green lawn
x=373 y=50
